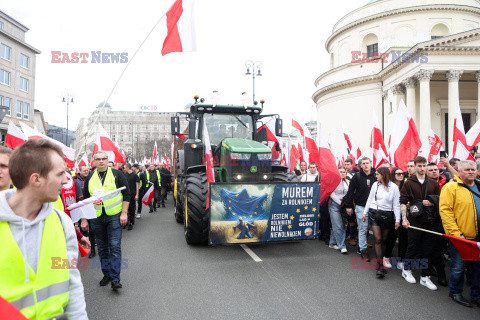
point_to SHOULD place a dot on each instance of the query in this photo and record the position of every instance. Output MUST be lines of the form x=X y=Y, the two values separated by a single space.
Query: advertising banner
x=249 y=213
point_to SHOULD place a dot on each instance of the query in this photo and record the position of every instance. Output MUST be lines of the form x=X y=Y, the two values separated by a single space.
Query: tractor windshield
x=221 y=126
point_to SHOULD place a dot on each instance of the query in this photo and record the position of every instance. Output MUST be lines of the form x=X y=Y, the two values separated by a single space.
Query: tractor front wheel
x=197 y=218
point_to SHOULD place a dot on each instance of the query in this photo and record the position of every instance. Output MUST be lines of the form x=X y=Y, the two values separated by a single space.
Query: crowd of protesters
x=391 y=204
x=36 y=228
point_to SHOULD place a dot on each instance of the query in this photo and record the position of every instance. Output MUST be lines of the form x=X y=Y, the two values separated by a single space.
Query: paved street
x=168 y=279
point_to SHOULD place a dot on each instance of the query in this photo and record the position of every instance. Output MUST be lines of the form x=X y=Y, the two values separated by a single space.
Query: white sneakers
x=343 y=250
x=386 y=263
x=138 y=216
x=425 y=281
x=408 y=276
x=333 y=247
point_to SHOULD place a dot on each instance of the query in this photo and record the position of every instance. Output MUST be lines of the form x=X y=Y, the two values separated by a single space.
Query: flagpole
x=135 y=53
x=425 y=230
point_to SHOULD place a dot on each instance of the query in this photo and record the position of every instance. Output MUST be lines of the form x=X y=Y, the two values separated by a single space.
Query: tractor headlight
x=240 y=156
x=265 y=177
x=238 y=177
x=264 y=156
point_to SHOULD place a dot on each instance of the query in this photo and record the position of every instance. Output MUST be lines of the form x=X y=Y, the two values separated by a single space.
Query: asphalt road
x=167 y=279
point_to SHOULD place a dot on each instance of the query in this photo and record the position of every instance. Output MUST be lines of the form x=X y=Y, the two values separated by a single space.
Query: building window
x=1 y=25
x=146 y=127
x=372 y=50
x=121 y=137
x=113 y=137
x=26 y=110
x=439 y=30
x=130 y=126
x=23 y=84
x=19 y=109
x=7 y=102
x=113 y=126
x=129 y=138
x=121 y=127
x=24 y=61
x=129 y=150
x=5 y=52
x=5 y=77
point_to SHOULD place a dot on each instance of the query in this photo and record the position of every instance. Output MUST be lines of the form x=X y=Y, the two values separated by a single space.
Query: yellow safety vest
x=158 y=177
x=112 y=203
x=141 y=183
x=45 y=295
x=59 y=204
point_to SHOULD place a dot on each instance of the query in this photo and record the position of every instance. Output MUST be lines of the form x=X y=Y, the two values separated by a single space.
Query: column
x=424 y=77
x=410 y=84
x=453 y=76
x=398 y=92
x=477 y=76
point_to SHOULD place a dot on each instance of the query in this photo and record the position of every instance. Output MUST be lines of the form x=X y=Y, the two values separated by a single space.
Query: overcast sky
x=288 y=37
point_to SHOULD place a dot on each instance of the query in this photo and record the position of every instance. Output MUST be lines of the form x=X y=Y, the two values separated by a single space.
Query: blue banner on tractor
x=249 y=213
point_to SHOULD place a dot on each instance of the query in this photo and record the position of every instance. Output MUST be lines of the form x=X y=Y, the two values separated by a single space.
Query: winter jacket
x=359 y=189
x=28 y=235
x=308 y=177
x=457 y=209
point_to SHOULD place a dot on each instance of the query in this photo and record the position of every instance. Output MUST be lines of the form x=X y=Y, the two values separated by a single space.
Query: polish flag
x=167 y=163
x=181 y=29
x=435 y=146
x=294 y=156
x=473 y=135
x=460 y=146
x=309 y=142
x=84 y=161
x=300 y=152
x=376 y=142
x=469 y=250
x=155 y=150
x=147 y=198
x=355 y=152
x=208 y=158
x=404 y=140
x=33 y=133
x=104 y=143
x=15 y=136
x=271 y=137
x=180 y=136
x=329 y=175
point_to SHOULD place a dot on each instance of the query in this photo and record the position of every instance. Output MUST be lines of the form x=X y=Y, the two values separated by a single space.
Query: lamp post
x=255 y=67
x=67 y=98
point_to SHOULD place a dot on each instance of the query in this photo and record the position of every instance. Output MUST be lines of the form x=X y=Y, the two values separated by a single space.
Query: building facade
x=17 y=73
x=424 y=52
x=135 y=132
x=60 y=134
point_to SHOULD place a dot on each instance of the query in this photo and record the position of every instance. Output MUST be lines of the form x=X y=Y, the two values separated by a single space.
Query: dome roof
x=101 y=104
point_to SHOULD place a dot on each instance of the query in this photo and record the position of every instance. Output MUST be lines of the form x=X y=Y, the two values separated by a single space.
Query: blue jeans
x=108 y=235
x=457 y=270
x=337 y=237
x=362 y=228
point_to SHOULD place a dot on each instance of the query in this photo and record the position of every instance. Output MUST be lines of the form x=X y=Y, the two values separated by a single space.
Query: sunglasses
x=100 y=159
x=399 y=173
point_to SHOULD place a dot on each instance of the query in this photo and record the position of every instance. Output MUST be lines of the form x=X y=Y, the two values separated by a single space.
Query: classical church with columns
x=424 y=52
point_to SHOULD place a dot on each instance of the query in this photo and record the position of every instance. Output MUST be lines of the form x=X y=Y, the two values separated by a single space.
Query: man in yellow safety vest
x=40 y=278
x=111 y=216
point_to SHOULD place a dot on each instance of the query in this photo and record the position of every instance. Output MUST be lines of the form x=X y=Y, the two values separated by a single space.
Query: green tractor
x=240 y=155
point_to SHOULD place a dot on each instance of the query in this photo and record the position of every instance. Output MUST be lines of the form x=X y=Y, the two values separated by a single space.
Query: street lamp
x=255 y=67
x=67 y=99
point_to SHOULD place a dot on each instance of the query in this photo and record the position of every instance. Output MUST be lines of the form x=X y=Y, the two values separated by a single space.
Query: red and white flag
x=33 y=133
x=300 y=152
x=271 y=137
x=404 y=139
x=105 y=144
x=155 y=150
x=15 y=136
x=329 y=175
x=473 y=135
x=181 y=29
x=435 y=145
x=377 y=144
x=460 y=146
x=294 y=156
x=84 y=161
x=147 y=198
x=469 y=250
x=355 y=152
x=309 y=142
x=208 y=158
x=166 y=161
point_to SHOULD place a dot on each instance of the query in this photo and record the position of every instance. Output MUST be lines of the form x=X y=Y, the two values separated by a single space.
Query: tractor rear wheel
x=178 y=203
x=197 y=218
x=284 y=177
